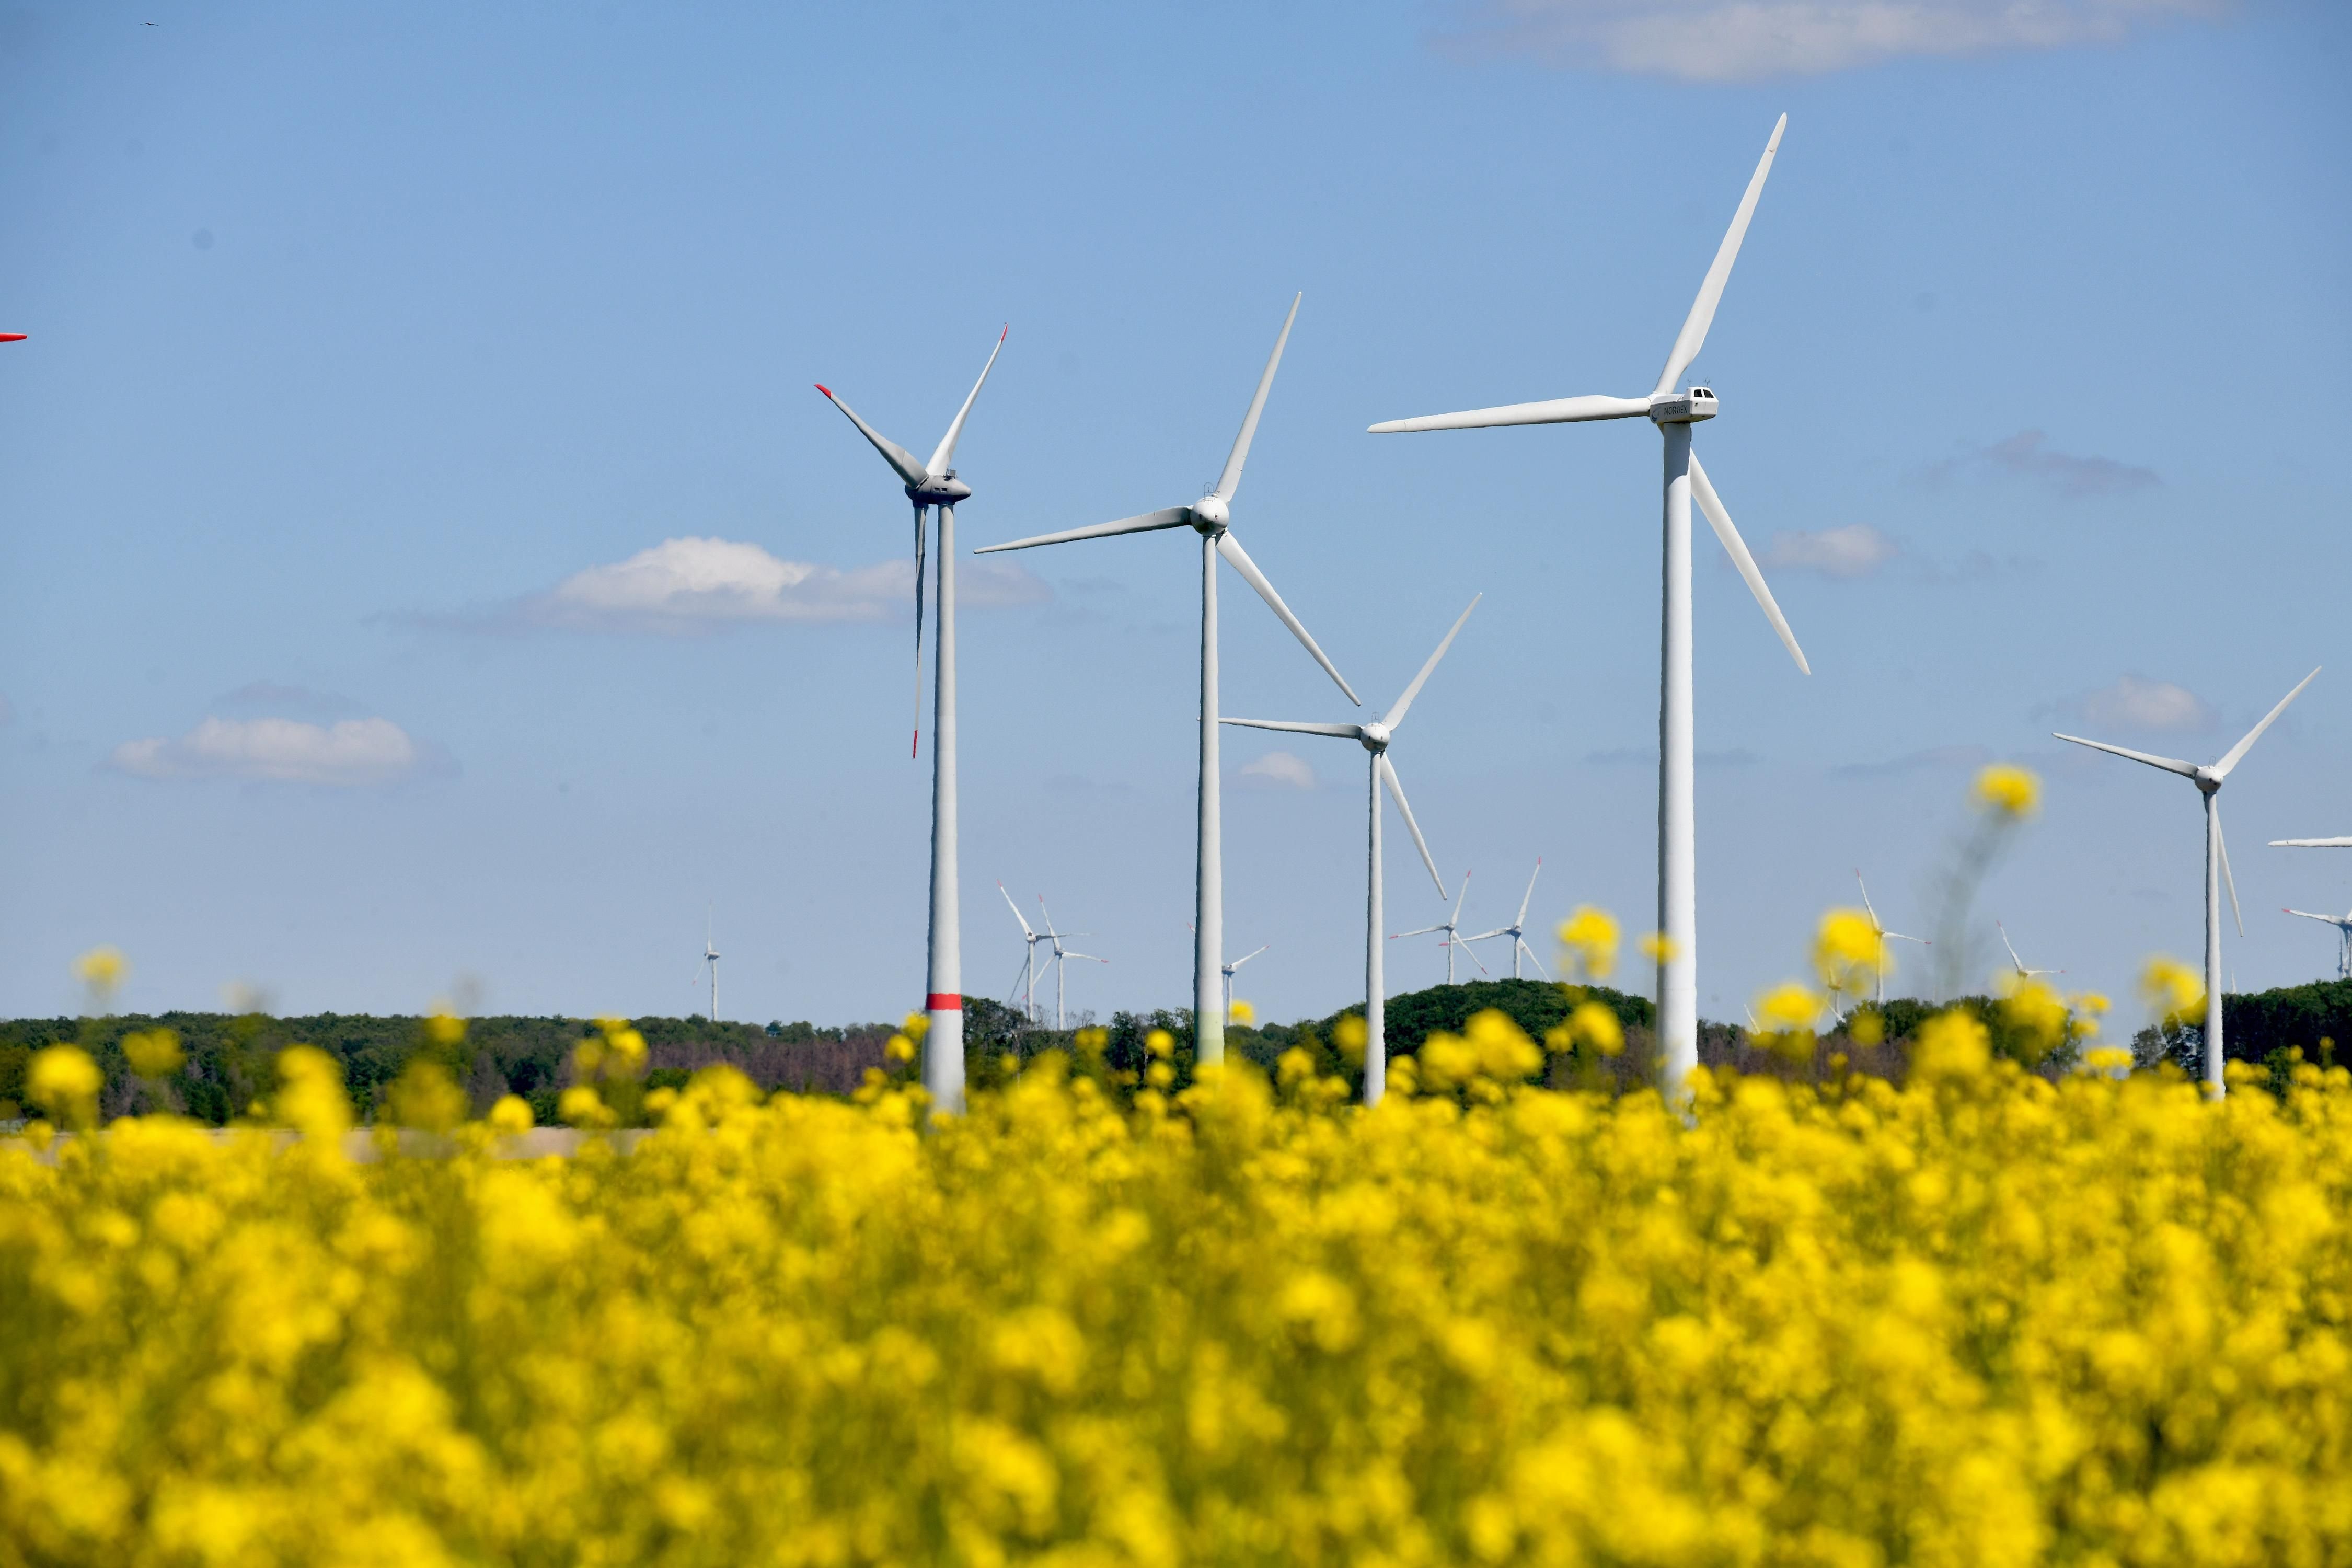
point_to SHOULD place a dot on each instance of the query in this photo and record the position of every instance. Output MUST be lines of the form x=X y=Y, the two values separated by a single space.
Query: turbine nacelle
x=1375 y=737
x=1210 y=515
x=1683 y=408
x=945 y=490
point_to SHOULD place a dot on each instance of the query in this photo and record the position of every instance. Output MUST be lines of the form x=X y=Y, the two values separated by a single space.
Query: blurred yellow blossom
x=1847 y=951
x=1659 y=948
x=1594 y=1024
x=2174 y=991
x=2037 y=1013
x=1589 y=936
x=899 y=1048
x=444 y=1027
x=511 y=1114
x=916 y=1026
x=154 y=1053
x=2007 y=789
x=64 y=1082
x=1350 y=1034
x=311 y=1097
x=102 y=970
x=1242 y=1012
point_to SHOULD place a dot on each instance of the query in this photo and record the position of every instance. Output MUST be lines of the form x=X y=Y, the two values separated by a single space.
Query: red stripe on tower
x=943 y=1002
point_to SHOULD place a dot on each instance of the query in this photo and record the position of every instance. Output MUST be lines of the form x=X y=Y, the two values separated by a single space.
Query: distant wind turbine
x=1452 y=926
x=2343 y=924
x=1227 y=969
x=1674 y=414
x=710 y=958
x=1375 y=739
x=1030 y=939
x=929 y=485
x=1212 y=518
x=2016 y=963
x=2209 y=780
x=1886 y=936
x=1516 y=930
x=1061 y=957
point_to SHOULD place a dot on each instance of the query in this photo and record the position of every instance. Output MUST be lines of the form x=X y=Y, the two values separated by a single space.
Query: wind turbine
x=710 y=957
x=1212 y=518
x=1061 y=957
x=1227 y=969
x=2343 y=924
x=2208 y=780
x=1516 y=930
x=1375 y=738
x=1885 y=936
x=1030 y=939
x=1673 y=413
x=929 y=485
x=2015 y=962
x=1452 y=926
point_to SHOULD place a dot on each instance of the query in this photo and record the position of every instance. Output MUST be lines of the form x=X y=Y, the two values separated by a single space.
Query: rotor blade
x=1553 y=411
x=1238 y=559
x=1244 y=957
x=1231 y=480
x=945 y=455
x=1089 y=957
x=1521 y=922
x=895 y=455
x=2231 y=758
x=2222 y=844
x=922 y=533
x=1460 y=893
x=1474 y=957
x=1395 y=716
x=1166 y=517
x=2314 y=843
x=2170 y=764
x=1424 y=931
x=1533 y=960
x=1692 y=337
x=1488 y=935
x=1344 y=732
x=2306 y=914
x=1865 y=902
x=1017 y=910
x=2007 y=944
x=1898 y=936
x=1710 y=503
x=1396 y=791
x=1049 y=922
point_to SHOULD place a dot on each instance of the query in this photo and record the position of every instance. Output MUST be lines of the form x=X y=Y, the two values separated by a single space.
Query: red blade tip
x=12 y=337
x=822 y=387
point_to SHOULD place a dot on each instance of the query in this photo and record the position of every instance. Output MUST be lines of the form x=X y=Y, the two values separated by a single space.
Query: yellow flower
x=1788 y=1007
x=311 y=1096
x=2010 y=790
x=101 y=968
x=2037 y=1013
x=2174 y=991
x=899 y=1048
x=1594 y=1024
x=1659 y=948
x=65 y=1083
x=444 y=1027
x=1867 y=1027
x=1244 y=1013
x=1590 y=937
x=1160 y=1043
x=1350 y=1034
x=917 y=1025
x=1951 y=1045
x=513 y=1114
x=154 y=1053
x=1846 y=950
x=582 y=1107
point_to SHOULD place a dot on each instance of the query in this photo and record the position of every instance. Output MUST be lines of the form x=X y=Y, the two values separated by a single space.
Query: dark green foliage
x=2317 y=1017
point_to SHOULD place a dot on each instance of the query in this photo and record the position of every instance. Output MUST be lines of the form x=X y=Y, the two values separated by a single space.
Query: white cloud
x=1854 y=551
x=2132 y=704
x=697 y=584
x=1280 y=769
x=2028 y=455
x=354 y=751
x=1741 y=40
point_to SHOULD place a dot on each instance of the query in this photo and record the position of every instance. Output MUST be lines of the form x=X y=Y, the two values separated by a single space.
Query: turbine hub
x=1375 y=737
x=944 y=490
x=1210 y=514
x=1682 y=407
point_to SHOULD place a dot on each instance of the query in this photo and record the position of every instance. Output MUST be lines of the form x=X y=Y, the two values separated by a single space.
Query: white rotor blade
x=2222 y=844
x=1238 y=559
x=1344 y=732
x=1396 y=792
x=1865 y=902
x=1231 y=480
x=2306 y=914
x=1089 y=957
x=1474 y=957
x=1049 y=923
x=2009 y=944
x=1244 y=957
x=1488 y=935
x=1395 y=716
x=1530 y=894
x=1533 y=960
x=945 y=454
x=2231 y=758
x=1711 y=504
x=1017 y=910
x=1898 y=936
x=2170 y=764
x=2314 y=843
x=1166 y=517
x=1692 y=337
x=895 y=455
x=1553 y=411
x=1397 y=935
x=1460 y=893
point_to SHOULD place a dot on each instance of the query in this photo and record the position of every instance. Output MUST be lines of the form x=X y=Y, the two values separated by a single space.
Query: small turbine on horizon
x=1060 y=958
x=2209 y=780
x=710 y=960
x=2015 y=962
x=1885 y=936
x=1516 y=930
x=1212 y=518
x=1452 y=926
x=1027 y=984
x=1675 y=414
x=2344 y=926
x=1375 y=739
x=1227 y=969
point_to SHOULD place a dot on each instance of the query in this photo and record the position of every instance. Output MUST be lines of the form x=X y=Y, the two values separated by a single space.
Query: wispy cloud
x=695 y=584
x=282 y=700
x=1280 y=769
x=2133 y=703
x=1929 y=759
x=1742 y=40
x=1857 y=549
x=2028 y=455
x=284 y=751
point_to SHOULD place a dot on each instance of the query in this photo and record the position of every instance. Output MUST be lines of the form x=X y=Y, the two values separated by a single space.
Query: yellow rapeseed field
x=1980 y=1318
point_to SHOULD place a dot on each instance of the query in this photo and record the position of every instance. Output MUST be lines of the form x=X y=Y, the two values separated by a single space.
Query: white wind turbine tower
x=1030 y=939
x=710 y=957
x=1227 y=969
x=2344 y=926
x=1210 y=516
x=2017 y=964
x=1516 y=930
x=1878 y=929
x=929 y=485
x=1061 y=958
x=1673 y=413
x=1452 y=926
x=2209 y=780
x=1375 y=738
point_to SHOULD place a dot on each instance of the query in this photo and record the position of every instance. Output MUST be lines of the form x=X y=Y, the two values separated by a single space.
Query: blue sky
x=368 y=348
